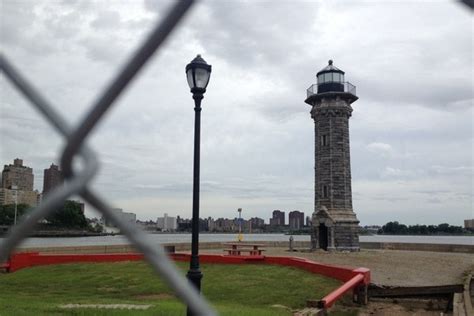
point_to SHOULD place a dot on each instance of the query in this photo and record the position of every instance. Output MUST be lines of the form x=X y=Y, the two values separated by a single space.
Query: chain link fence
x=77 y=182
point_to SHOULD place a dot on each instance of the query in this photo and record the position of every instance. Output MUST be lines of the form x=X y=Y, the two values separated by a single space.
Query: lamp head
x=198 y=73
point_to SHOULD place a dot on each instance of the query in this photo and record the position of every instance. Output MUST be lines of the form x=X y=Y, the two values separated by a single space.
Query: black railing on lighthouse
x=346 y=87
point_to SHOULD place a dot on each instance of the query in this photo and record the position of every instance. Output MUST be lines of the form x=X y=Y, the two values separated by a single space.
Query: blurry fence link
x=77 y=182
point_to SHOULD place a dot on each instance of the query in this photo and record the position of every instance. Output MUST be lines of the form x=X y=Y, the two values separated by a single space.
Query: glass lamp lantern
x=330 y=79
x=198 y=73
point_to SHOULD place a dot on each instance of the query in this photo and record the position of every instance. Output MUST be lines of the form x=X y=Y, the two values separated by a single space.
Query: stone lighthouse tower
x=335 y=225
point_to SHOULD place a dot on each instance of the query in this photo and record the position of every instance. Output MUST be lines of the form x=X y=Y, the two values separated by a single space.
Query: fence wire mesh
x=77 y=182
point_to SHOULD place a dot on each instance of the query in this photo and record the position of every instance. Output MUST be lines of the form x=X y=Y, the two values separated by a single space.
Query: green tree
x=395 y=228
x=7 y=213
x=70 y=215
x=424 y=230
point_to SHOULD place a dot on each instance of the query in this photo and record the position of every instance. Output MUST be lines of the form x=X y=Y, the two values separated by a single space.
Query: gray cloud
x=411 y=130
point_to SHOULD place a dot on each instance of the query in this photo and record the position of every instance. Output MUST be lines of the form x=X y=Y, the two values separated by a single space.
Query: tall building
x=335 y=225
x=278 y=218
x=17 y=185
x=53 y=177
x=296 y=219
x=167 y=223
x=17 y=175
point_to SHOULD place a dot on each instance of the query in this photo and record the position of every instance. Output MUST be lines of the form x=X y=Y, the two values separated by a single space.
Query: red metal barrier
x=30 y=259
x=332 y=297
x=353 y=278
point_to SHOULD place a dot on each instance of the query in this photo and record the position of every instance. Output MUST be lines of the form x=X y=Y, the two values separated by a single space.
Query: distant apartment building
x=8 y=196
x=17 y=185
x=254 y=225
x=469 y=224
x=225 y=225
x=257 y=222
x=167 y=223
x=210 y=224
x=53 y=177
x=184 y=224
x=147 y=225
x=308 y=221
x=127 y=217
x=296 y=219
x=278 y=218
x=17 y=175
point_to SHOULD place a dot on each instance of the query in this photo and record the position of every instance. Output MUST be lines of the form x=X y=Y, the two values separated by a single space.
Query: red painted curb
x=352 y=278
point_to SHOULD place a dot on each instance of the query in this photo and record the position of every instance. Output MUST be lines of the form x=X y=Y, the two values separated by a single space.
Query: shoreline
x=62 y=234
x=303 y=246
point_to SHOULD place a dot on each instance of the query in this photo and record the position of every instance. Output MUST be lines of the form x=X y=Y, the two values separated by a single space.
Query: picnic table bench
x=238 y=247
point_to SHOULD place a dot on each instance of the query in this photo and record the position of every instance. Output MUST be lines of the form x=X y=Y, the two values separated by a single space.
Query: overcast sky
x=411 y=130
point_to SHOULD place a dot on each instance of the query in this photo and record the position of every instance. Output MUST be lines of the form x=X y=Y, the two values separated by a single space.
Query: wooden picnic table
x=236 y=248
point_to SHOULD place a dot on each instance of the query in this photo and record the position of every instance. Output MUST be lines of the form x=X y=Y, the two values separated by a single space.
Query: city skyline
x=53 y=177
x=411 y=129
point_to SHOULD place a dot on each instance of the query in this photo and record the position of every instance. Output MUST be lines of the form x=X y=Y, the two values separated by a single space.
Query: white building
x=166 y=223
x=130 y=218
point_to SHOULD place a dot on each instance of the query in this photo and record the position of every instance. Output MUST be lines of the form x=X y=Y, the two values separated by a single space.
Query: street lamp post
x=198 y=73
x=240 y=237
x=15 y=188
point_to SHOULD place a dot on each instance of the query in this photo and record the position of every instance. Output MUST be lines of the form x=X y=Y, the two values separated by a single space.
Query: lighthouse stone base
x=335 y=230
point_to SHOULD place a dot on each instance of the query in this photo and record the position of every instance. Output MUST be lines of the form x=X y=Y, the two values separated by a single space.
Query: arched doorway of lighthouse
x=323 y=236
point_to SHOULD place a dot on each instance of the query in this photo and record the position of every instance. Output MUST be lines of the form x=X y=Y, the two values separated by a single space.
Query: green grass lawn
x=231 y=289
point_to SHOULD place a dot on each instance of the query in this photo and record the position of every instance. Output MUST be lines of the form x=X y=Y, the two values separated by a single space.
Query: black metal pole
x=194 y=274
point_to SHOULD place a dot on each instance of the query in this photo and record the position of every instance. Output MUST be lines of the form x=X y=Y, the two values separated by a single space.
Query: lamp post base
x=194 y=276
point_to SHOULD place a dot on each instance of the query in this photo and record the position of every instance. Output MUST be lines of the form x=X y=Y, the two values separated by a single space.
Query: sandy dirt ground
x=390 y=308
x=394 y=267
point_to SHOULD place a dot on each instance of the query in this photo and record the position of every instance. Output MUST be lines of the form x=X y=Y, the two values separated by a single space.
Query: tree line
x=395 y=228
x=70 y=215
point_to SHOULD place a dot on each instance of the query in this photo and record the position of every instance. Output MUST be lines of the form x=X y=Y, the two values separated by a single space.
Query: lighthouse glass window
x=321 y=79
x=328 y=77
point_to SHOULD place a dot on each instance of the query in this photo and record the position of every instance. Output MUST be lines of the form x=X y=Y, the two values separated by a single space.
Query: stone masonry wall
x=346 y=236
x=332 y=155
x=333 y=188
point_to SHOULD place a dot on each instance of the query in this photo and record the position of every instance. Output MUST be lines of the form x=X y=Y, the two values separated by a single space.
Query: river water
x=186 y=238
